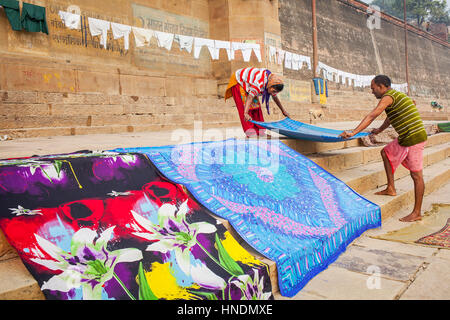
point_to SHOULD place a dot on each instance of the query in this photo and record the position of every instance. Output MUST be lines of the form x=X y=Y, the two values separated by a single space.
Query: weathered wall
x=346 y=43
x=59 y=84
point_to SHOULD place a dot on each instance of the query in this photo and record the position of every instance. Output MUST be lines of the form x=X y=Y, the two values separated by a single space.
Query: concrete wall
x=65 y=83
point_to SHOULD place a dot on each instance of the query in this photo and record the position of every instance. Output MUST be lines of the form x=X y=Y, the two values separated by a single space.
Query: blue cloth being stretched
x=303 y=131
x=280 y=202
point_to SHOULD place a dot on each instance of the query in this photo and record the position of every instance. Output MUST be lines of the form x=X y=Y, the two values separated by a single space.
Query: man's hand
x=247 y=117
x=346 y=134
x=285 y=113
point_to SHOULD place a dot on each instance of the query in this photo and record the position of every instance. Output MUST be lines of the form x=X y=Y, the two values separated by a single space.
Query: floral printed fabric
x=280 y=202
x=106 y=226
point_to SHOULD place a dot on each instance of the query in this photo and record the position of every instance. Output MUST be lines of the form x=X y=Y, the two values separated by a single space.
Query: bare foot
x=387 y=192
x=411 y=217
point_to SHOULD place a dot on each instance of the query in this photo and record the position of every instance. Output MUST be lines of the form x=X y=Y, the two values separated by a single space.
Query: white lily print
x=89 y=265
x=19 y=211
x=252 y=289
x=174 y=233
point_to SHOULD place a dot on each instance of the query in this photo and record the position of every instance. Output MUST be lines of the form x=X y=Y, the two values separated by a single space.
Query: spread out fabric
x=281 y=203
x=299 y=130
x=33 y=18
x=107 y=226
x=12 y=12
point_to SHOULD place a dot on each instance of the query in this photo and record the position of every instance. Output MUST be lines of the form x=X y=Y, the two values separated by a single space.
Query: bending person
x=245 y=86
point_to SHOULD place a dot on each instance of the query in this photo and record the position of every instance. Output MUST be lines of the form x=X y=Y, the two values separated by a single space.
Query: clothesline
x=143 y=36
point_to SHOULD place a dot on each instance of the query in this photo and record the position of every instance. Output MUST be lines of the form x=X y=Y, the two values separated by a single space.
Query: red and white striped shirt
x=253 y=80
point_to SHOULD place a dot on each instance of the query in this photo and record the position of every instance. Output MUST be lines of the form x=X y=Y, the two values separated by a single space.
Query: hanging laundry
x=209 y=43
x=257 y=50
x=219 y=44
x=71 y=20
x=295 y=62
x=306 y=60
x=288 y=60
x=100 y=28
x=142 y=36
x=321 y=88
x=272 y=54
x=12 y=12
x=33 y=18
x=280 y=55
x=121 y=30
x=247 y=49
x=234 y=47
x=164 y=39
x=185 y=42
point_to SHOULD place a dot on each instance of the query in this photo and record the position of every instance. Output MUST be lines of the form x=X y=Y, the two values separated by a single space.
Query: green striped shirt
x=405 y=119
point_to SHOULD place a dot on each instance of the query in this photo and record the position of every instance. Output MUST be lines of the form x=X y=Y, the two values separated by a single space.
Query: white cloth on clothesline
x=165 y=39
x=219 y=44
x=272 y=54
x=121 y=30
x=185 y=42
x=71 y=20
x=288 y=60
x=100 y=28
x=280 y=55
x=199 y=43
x=142 y=37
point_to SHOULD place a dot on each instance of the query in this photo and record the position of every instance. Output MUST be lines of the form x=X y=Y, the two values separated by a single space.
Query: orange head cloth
x=273 y=80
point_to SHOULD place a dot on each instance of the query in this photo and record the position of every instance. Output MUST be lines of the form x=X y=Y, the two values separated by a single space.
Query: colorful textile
x=321 y=89
x=405 y=119
x=33 y=18
x=445 y=127
x=12 y=11
x=106 y=226
x=410 y=157
x=440 y=238
x=281 y=203
x=299 y=130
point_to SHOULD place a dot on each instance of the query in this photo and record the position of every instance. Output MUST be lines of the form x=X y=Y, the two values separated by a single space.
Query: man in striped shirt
x=245 y=86
x=407 y=149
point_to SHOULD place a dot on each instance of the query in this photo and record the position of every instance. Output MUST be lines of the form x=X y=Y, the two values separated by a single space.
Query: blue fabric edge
x=308 y=137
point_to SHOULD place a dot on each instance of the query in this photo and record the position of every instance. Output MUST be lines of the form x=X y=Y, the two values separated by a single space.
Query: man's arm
x=278 y=102
x=385 y=124
x=385 y=102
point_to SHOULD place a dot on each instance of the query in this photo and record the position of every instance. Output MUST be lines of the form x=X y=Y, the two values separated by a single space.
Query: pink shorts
x=410 y=157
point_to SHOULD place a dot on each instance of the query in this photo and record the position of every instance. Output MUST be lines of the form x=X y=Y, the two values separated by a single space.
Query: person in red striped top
x=245 y=86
